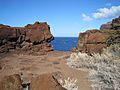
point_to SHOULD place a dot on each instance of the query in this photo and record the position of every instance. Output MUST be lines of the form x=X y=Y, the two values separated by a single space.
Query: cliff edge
x=32 y=37
x=93 y=41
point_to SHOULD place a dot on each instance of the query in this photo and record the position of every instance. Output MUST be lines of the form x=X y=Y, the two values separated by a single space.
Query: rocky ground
x=27 y=56
x=30 y=66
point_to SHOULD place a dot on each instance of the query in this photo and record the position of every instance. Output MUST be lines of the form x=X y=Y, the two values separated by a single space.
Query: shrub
x=116 y=26
x=69 y=84
x=114 y=38
x=104 y=69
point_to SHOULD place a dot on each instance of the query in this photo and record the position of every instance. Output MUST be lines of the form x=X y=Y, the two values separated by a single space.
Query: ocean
x=64 y=43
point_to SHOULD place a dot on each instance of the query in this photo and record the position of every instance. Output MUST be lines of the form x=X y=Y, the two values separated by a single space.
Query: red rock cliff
x=93 y=41
x=34 y=37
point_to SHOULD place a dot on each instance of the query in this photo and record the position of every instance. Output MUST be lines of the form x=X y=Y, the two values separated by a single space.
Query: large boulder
x=12 y=82
x=46 y=82
x=25 y=38
x=38 y=32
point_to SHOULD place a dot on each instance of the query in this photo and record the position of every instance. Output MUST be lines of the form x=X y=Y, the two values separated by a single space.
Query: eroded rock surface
x=46 y=82
x=93 y=41
x=34 y=37
x=114 y=24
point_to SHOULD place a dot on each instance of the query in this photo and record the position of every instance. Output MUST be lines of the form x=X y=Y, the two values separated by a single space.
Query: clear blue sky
x=65 y=17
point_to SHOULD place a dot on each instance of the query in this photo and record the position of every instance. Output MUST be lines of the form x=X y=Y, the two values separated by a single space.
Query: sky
x=67 y=18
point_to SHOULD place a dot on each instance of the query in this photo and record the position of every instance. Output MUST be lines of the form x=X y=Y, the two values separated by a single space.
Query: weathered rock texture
x=106 y=26
x=45 y=82
x=34 y=37
x=12 y=82
x=114 y=24
x=93 y=41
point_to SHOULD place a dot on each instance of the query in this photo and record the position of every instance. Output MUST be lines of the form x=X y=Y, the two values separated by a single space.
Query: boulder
x=38 y=33
x=46 y=82
x=25 y=38
x=12 y=82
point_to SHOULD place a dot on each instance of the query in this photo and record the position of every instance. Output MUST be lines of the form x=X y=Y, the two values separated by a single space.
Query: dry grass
x=104 y=69
x=69 y=84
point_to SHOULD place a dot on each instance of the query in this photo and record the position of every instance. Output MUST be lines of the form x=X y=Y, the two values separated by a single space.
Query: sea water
x=64 y=43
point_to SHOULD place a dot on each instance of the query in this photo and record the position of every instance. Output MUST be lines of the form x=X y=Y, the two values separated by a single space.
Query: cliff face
x=93 y=41
x=34 y=37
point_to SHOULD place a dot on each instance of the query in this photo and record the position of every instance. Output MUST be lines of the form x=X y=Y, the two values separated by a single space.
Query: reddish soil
x=29 y=66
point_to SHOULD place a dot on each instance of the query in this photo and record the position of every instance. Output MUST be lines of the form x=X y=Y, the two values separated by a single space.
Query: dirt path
x=30 y=66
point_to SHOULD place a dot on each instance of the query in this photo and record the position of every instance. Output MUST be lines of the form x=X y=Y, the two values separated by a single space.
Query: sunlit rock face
x=35 y=37
x=93 y=41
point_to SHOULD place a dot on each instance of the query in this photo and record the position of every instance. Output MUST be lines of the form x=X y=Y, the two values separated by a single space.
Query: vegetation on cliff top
x=114 y=38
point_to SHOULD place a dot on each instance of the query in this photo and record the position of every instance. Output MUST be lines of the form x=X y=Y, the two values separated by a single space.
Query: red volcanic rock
x=90 y=40
x=114 y=24
x=93 y=41
x=25 y=37
x=12 y=82
x=45 y=82
x=38 y=32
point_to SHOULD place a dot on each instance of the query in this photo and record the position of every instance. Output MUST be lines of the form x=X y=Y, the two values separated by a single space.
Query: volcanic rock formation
x=93 y=41
x=32 y=37
x=46 y=82
x=114 y=24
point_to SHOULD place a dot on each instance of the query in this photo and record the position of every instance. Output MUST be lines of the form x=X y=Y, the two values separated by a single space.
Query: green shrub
x=114 y=38
x=116 y=26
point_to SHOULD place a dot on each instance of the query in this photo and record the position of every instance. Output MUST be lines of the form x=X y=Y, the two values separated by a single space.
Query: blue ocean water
x=64 y=43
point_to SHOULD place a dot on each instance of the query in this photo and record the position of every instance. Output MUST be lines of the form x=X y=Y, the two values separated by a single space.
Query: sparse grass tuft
x=69 y=84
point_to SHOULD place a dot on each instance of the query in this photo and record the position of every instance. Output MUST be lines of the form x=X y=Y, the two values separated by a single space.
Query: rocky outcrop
x=114 y=24
x=93 y=41
x=34 y=37
x=106 y=26
x=45 y=82
x=12 y=82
